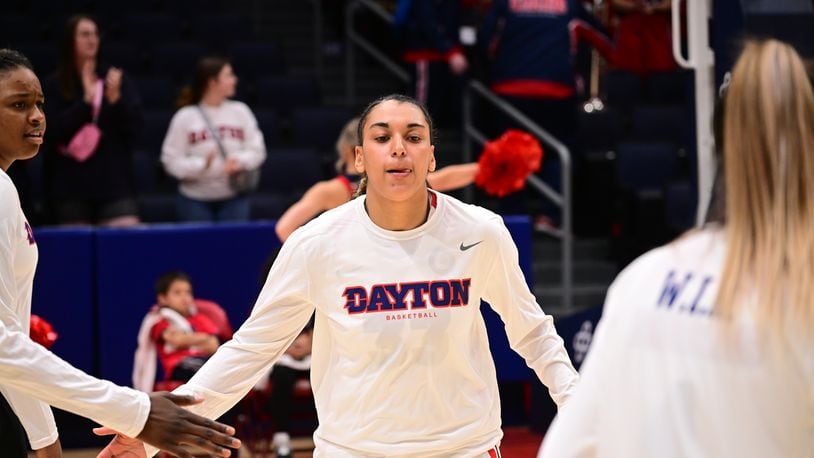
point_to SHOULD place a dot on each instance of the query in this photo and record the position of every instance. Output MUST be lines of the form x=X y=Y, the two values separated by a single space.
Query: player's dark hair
x=11 y=60
x=164 y=282
x=400 y=98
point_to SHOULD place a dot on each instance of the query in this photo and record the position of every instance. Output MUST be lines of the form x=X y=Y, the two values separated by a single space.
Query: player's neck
x=398 y=216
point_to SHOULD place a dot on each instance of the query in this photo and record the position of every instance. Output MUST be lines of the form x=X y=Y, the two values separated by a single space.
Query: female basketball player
x=704 y=348
x=30 y=376
x=400 y=359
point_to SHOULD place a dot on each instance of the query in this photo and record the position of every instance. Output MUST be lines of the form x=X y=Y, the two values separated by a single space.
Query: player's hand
x=52 y=451
x=169 y=427
x=121 y=446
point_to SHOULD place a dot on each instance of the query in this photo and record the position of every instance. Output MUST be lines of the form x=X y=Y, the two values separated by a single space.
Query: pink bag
x=86 y=139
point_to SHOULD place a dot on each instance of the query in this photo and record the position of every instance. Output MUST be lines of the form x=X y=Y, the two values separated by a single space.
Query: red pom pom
x=505 y=163
x=42 y=332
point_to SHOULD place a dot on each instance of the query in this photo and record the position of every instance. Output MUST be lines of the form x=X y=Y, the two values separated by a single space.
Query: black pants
x=187 y=368
x=283 y=380
x=13 y=441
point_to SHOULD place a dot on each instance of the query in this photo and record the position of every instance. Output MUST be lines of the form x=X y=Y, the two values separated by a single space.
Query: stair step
x=549 y=272
x=598 y=249
x=582 y=296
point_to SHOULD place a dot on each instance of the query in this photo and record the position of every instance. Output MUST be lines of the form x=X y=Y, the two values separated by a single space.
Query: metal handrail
x=563 y=199
x=354 y=38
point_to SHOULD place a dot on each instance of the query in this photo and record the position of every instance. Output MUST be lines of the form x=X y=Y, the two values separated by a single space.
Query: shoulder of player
x=698 y=247
x=474 y=213
x=319 y=229
x=9 y=200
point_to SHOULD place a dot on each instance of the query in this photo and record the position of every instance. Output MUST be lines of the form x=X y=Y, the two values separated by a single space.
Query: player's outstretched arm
x=170 y=427
x=453 y=177
x=322 y=196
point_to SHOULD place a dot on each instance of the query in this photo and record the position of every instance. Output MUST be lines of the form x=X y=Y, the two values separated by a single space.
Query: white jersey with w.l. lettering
x=664 y=378
x=401 y=364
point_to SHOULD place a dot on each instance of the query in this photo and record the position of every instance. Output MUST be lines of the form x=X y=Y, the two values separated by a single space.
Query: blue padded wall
x=64 y=292
x=100 y=283
x=224 y=262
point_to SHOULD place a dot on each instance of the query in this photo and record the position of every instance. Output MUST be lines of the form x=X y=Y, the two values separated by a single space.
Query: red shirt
x=170 y=359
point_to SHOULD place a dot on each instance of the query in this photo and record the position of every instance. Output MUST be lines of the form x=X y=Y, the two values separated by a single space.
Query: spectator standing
x=99 y=189
x=429 y=33
x=211 y=140
x=644 y=41
x=530 y=47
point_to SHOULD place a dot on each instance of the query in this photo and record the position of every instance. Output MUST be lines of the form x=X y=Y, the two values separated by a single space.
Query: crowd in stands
x=531 y=53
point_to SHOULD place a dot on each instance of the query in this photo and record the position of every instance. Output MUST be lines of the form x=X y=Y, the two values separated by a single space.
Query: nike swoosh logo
x=466 y=247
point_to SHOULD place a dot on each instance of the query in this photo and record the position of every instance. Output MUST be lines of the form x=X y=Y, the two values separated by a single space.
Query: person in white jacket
x=210 y=139
x=400 y=362
x=705 y=345
x=31 y=377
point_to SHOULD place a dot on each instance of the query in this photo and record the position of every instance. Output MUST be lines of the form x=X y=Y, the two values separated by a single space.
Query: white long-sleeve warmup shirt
x=664 y=378
x=32 y=377
x=401 y=363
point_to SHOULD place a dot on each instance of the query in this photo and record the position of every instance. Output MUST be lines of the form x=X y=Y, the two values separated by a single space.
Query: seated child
x=184 y=338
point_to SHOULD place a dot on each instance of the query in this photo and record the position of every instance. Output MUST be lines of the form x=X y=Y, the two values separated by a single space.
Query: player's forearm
x=453 y=176
x=29 y=368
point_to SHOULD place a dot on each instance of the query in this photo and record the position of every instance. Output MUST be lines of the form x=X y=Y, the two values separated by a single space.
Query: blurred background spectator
x=210 y=141
x=100 y=189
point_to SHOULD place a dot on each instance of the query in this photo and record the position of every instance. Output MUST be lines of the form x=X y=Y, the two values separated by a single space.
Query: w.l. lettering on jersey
x=684 y=292
x=407 y=296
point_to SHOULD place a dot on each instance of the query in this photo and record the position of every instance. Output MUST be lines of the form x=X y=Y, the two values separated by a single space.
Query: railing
x=561 y=199
x=354 y=39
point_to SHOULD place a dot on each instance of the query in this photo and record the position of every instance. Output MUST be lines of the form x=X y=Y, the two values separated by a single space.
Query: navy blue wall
x=95 y=286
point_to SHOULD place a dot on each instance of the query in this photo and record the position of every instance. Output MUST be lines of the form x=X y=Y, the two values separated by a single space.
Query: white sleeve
x=35 y=416
x=175 y=151
x=281 y=311
x=32 y=370
x=253 y=153
x=573 y=434
x=531 y=331
x=31 y=375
